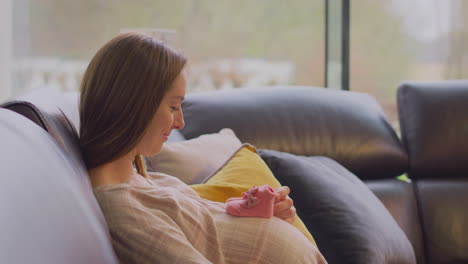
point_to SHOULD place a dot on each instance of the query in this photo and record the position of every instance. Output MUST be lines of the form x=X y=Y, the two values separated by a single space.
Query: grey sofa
x=49 y=214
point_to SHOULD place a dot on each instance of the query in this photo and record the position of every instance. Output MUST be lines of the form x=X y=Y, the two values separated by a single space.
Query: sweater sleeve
x=159 y=226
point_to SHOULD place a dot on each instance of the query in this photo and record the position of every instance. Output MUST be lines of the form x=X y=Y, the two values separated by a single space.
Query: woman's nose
x=179 y=122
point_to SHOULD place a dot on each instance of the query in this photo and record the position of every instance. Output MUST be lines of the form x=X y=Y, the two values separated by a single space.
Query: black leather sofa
x=50 y=214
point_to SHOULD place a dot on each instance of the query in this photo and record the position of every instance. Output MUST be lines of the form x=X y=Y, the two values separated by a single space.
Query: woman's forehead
x=178 y=86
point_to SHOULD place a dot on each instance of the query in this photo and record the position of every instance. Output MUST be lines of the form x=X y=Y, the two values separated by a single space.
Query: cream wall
x=5 y=48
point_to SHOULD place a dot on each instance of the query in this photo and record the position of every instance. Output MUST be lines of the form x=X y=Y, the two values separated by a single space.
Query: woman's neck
x=114 y=172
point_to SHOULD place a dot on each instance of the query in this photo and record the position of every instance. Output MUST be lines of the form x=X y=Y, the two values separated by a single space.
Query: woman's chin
x=157 y=151
x=152 y=152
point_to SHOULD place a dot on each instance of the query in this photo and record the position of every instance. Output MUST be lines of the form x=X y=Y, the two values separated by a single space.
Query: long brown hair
x=120 y=92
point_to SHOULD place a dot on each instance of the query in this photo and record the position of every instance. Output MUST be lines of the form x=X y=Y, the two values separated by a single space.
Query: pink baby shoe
x=256 y=202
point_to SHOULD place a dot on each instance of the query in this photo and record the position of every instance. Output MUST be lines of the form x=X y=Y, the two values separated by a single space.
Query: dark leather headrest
x=349 y=127
x=434 y=127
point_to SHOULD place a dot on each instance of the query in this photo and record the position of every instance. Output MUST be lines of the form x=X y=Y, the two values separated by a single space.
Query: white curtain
x=5 y=48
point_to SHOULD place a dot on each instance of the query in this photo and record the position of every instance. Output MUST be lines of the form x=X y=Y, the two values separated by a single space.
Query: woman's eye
x=175 y=108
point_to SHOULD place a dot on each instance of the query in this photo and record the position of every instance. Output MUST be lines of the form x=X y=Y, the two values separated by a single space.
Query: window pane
x=397 y=40
x=229 y=43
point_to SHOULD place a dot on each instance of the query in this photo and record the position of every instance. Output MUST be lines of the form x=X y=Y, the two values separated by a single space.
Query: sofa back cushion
x=434 y=127
x=57 y=113
x=48 y=211
x=349 y=127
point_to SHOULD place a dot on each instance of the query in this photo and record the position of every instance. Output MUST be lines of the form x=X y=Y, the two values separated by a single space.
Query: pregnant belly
x=263 y=240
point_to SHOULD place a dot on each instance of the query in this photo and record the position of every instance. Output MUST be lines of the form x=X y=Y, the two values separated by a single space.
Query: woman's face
x=169 y=116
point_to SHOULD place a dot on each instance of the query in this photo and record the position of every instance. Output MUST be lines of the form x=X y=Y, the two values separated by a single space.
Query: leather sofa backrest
x=348 y=127
x=48 y=212
x=434 y=128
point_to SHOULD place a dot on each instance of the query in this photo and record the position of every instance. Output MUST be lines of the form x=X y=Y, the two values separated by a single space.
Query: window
x=396 y=40
x=229 y=43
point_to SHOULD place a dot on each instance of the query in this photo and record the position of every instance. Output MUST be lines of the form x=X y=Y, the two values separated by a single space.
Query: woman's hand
x=284 y=205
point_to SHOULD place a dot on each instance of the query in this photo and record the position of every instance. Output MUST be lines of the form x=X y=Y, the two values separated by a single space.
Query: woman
x=131 y=97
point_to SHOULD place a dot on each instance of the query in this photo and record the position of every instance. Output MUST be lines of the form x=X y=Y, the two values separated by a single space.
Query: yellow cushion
x=244 y=170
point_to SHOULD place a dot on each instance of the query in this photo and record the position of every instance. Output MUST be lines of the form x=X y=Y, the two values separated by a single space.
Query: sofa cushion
x=242 y=171
x=349 y=127
x=400 y=200
x=444 y=214
x=194 y=160
x=433 y=120
x=48 y=211
x=349 y=223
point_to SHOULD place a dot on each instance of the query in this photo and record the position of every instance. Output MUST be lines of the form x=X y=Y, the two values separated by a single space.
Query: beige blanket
x=162 y=220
